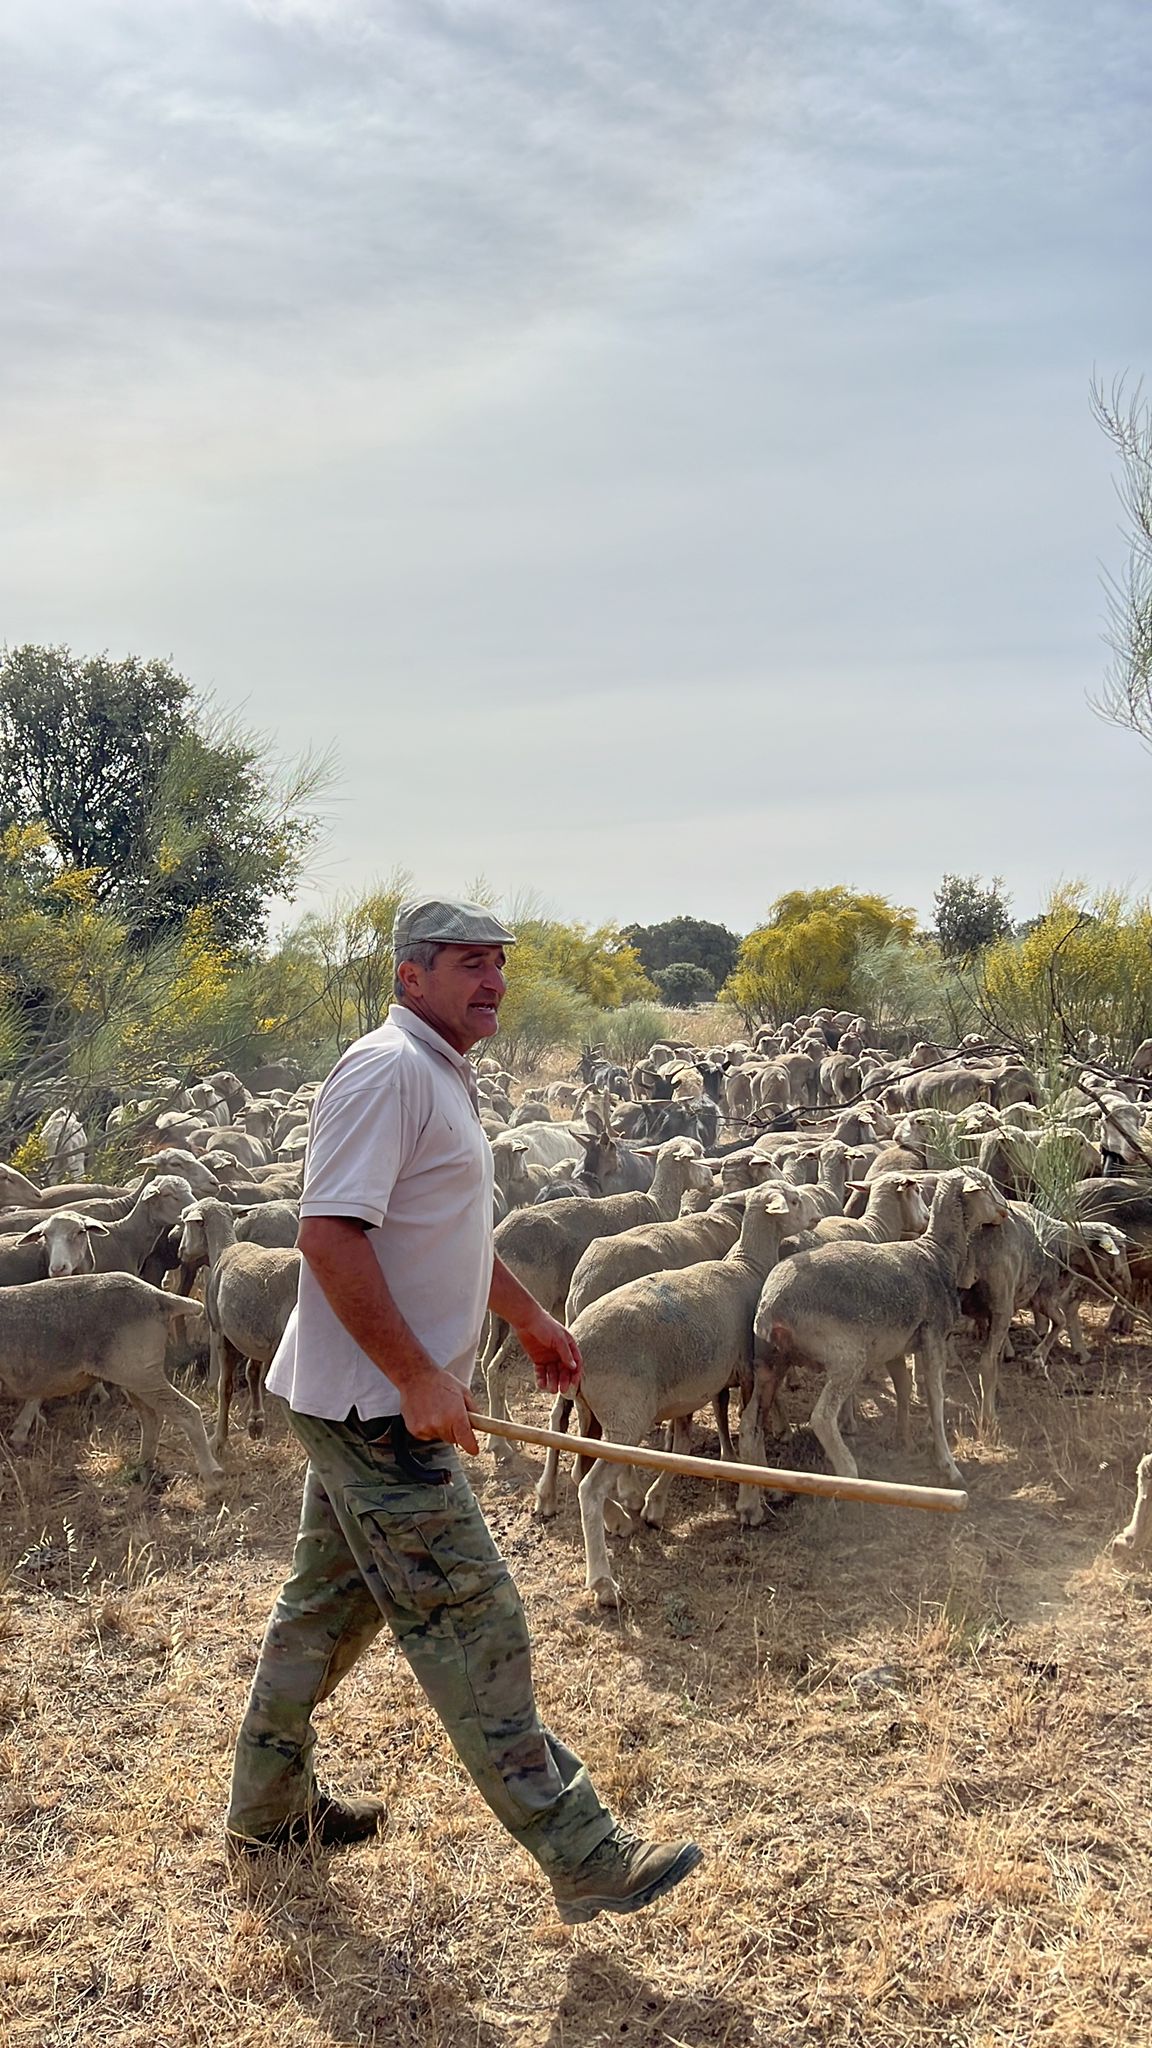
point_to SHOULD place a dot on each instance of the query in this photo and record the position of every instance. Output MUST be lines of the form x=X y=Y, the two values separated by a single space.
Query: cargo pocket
x=430 y=1544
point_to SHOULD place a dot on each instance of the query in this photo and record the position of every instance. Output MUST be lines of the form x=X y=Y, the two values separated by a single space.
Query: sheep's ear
x=34 y=1235
x=91 y=1224
x=859 y=1187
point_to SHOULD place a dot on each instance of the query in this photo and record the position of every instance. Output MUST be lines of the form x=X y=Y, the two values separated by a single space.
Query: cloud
x=658 y=412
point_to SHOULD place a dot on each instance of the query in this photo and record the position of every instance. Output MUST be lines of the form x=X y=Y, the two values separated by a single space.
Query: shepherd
x=396 y=1271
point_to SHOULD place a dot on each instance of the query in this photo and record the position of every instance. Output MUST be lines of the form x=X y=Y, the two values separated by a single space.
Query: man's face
x=460 y=994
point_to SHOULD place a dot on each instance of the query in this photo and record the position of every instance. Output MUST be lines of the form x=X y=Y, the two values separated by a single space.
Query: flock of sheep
x=794 y=1215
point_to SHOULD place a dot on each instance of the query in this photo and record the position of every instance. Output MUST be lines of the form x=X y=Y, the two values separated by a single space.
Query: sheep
x=1052 y=1156
x=250 y=1294
x=78 y=1243
x=57 y=1339
x=542 y=1247
x=826 y=1193
x=659 y=1248
x=1031 y=1260
x=175 y=1159
x=517 y=1178
x=849 y=1309
x=272 y=1224
x=15 y=1187
x=238 y=1144
x=896 y=1209
x=64 y=1141
x=658 y=1349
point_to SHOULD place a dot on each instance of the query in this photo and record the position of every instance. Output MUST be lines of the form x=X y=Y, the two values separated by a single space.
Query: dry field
x=917 y=1750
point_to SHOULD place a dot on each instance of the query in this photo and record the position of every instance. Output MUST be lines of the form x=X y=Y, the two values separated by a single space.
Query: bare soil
x=916 y=1749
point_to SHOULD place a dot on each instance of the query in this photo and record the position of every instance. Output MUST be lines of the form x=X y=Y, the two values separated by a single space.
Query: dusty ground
x=917 y=1750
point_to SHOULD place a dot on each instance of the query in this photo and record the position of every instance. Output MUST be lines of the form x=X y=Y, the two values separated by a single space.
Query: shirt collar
x=416 y=1027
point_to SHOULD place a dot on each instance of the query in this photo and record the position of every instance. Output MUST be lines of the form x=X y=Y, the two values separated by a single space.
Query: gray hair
x=422 y=953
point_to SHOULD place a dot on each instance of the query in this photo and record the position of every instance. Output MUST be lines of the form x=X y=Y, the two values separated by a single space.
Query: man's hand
x=552 y=1351
x=436 y=1407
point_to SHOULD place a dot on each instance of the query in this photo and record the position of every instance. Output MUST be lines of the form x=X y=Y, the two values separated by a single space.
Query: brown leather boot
x=327 y=1824
x=621 y=1875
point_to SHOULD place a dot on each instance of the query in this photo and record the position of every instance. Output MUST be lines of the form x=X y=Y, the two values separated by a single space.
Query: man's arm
x=347 y=1271
x=548 y=1344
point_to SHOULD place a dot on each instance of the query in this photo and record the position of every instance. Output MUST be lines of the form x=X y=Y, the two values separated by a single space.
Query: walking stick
x=883 y=1493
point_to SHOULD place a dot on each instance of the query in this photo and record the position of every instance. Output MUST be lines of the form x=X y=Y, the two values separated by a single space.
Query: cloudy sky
x=651 y=440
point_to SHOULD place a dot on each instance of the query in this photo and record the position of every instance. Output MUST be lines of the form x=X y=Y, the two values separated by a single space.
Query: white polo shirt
x=396 y=1141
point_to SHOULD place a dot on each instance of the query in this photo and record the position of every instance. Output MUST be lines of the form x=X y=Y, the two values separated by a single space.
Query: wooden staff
x=883 y=1493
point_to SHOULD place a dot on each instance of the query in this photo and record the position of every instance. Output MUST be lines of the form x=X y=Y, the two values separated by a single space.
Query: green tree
x=1084 y=968
x=711 y=947
x=969 y=916
x=135 y=784
x=804 y=957
x=682 y=984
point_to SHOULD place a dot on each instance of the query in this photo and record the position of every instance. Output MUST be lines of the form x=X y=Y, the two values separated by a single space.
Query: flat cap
x=445 y=922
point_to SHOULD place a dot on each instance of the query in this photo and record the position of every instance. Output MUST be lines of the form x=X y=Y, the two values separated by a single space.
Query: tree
x=804 y=957
x=682 y=984
x=1081 y=978
x=968 y=916
x=166 y=810
x=711 y=947
x=1126 y=695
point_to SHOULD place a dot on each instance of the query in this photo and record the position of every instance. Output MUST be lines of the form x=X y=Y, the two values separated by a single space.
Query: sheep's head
x=67 y=1239
x=164 y=1198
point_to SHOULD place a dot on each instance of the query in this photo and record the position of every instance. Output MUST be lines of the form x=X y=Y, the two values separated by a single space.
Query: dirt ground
x=917 y=1751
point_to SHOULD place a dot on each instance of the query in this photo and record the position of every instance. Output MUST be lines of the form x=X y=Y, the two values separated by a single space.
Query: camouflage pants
x=376 y=1546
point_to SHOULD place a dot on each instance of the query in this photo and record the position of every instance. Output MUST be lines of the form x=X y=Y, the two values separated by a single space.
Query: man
x=396 y=1272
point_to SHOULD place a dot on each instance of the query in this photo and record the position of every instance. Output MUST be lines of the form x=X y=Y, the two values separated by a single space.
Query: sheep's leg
x=720 y=1407
x=1075 y=1329
x=824 y=1423
x=149 y=1420
x=931 y=1360
x=1137 y=1536
x=172 y=1406
x=594 y=1492
x=901 y=1380
x=988 y=1367
x=504 y=1349
x=29 y=1415
x=229 y=1361
x=751 y=1505
x=254 y=1371
x=546 y=1486
x=656 y=1498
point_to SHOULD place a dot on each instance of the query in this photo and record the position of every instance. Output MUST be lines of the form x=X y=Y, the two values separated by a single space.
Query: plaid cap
x=445 y=922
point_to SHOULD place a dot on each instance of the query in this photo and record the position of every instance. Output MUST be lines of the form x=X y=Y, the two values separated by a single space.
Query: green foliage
x=595 y=962
x=804 y=957
x=1086 y=967
x=970 y=917
x=539 y=1014
x=627 y=1033
x=348 y=952
x=135 y=786
x=710 y=947
x=900 y=988
x=682 y=984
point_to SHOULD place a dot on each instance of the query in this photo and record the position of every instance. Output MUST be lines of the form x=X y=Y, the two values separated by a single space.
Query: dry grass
x=918 y=1752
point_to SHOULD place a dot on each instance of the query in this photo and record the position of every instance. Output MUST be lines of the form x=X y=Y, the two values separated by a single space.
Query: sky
x=650 y=443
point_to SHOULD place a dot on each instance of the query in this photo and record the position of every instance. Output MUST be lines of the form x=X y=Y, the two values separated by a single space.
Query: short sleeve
x=356 y=1146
